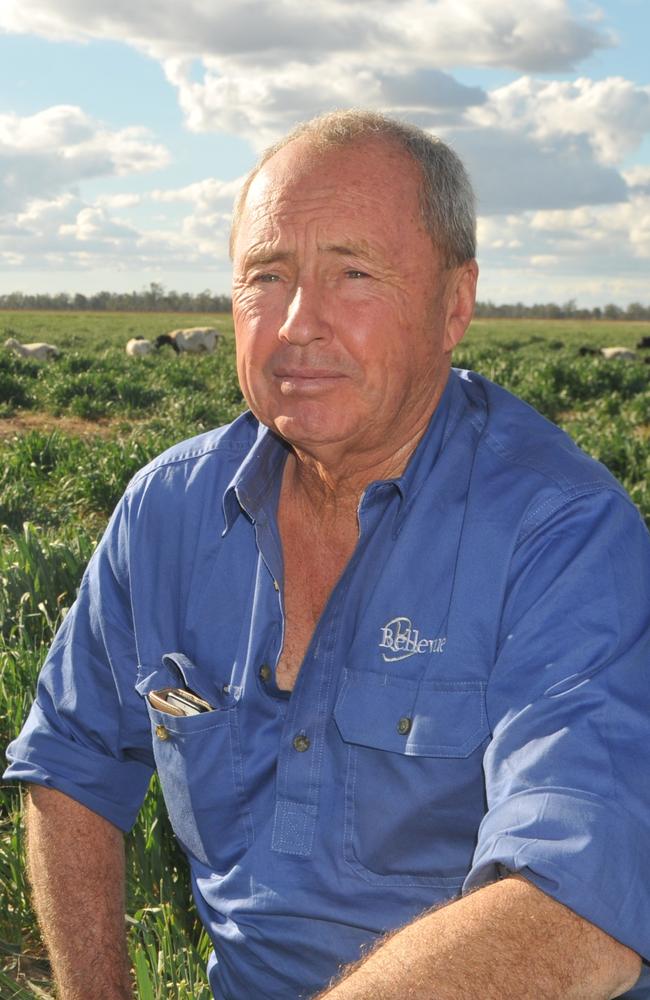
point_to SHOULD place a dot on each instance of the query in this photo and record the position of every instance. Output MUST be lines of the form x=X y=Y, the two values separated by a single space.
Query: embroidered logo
x=401 y=640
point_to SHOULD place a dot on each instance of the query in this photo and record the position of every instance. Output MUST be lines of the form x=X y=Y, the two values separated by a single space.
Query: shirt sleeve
x=566 y=772
x=87 y=733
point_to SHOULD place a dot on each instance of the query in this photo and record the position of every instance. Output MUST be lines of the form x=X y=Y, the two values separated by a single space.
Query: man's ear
x=461 y=296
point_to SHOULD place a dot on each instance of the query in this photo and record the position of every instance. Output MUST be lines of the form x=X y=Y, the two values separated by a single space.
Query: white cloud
x=638 y=179
x=119 y=200
x=206 y=195
x=255 y=68
x=68 y=231
x=61 y=146
x=602 y=240
x=430 y=32
x=611 y=115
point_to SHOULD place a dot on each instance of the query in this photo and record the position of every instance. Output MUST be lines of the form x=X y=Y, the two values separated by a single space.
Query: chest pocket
x=199 y=765
x=414 y=789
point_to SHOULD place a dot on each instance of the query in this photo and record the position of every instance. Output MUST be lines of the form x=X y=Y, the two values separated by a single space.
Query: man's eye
x=356 y=274
x=266 y=277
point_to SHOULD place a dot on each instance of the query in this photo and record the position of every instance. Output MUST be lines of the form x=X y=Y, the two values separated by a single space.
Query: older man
x=393 y=654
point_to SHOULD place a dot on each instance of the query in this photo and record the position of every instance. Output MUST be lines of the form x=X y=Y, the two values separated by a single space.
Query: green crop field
x=72 y=432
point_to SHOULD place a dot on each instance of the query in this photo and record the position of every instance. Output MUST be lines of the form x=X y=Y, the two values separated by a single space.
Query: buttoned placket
x=303 y=740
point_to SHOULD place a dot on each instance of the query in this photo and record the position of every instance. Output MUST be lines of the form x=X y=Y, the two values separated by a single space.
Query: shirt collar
x=256 y=484
x=255 y=487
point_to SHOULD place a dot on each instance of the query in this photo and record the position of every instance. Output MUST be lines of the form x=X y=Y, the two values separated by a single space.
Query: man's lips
x=306 y=379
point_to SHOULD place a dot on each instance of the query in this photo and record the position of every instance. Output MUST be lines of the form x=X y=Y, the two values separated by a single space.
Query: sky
x=126 y=129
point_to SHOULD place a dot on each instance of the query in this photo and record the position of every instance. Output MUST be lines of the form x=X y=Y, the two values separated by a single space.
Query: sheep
x=137 y=347
x=611 y=353
x=643 y=344
x=193 y=340
x=618 y=353
x=37 y=352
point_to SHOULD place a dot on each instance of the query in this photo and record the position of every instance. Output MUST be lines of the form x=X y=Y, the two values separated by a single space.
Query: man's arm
x=76 y=867
x=508 y=939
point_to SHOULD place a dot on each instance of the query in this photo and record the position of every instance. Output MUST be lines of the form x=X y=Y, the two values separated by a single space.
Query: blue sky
x=125 y=130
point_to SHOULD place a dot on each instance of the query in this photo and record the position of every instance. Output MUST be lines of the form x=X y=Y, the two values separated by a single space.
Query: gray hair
x=447 y=200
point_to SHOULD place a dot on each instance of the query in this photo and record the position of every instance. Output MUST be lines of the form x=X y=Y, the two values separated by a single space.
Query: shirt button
x=301 y=743
x=162 y=732
x=404 y=725
x=265 y=673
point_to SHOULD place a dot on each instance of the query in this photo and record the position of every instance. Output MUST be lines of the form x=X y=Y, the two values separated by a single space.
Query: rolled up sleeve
x=87 y=733
x=569 y=704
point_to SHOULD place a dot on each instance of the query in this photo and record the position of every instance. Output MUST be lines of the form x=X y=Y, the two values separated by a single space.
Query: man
x=392 y=653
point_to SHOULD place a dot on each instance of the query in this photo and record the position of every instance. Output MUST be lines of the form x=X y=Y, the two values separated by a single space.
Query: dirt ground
x=45 y=422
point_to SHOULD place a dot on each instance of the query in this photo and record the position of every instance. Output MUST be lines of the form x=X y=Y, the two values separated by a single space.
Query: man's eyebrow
x=351 y=249
x=265 y=258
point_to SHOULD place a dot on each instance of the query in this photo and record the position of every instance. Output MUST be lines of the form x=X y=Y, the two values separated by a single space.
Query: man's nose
x=305 y=320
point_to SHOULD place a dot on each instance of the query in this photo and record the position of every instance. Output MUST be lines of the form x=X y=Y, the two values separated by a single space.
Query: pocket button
x=404 y=725
x=162 y=732
x=301 y=743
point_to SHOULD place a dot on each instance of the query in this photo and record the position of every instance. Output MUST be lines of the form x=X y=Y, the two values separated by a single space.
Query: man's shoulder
x=218 y=452
x=526 y=468
x=518 y=436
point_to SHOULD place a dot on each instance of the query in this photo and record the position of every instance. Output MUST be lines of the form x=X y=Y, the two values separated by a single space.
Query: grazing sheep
x=618 y=353
x=611 y=353
x=193 y=340
x=643 y=344
x=137 y=347
x=37 y=352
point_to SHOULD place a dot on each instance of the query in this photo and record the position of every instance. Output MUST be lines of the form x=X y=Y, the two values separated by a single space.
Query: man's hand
x=506 y=940
x=76 y=867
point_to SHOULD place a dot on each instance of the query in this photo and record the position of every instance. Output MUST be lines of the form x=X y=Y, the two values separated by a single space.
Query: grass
x=72 y=434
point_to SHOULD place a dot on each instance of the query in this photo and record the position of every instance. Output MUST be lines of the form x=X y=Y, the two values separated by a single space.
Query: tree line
x=569 y=310
x=152 y=299
x=156 y=298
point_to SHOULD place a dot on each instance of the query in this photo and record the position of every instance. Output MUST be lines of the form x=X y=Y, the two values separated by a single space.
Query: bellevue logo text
x=402 y=640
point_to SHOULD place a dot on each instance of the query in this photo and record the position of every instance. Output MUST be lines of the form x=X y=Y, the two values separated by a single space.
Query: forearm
x=506 y=940
x=76 y=868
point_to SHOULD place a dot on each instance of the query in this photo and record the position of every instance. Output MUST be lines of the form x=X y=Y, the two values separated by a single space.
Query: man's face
x=343 y=312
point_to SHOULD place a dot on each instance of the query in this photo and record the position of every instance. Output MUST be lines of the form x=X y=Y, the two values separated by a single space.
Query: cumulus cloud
x=612 y=115
x=57 y=148
x=254 y=69
x=263 y=106
x=208 y=195
x=67 y=230
x=610 y=238
x=431 y=32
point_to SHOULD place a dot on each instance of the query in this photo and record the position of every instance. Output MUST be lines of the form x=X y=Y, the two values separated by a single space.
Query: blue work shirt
x=475 y=698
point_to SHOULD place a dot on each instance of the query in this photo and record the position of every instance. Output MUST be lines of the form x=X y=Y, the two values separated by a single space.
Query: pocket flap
x=427 y=719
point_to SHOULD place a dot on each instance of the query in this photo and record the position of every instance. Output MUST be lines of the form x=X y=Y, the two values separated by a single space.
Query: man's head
x=447 y=200
x=346 y=306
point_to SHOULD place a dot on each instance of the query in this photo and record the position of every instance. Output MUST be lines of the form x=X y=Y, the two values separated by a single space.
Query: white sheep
x=37 y=352
x=137 y=347
x=193 y=340
x=619 y=353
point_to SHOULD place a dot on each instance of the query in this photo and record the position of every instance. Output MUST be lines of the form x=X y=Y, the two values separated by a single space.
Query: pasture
x=73 y=431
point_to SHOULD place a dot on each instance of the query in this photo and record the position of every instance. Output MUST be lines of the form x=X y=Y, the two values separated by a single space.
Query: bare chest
x=313 y=562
